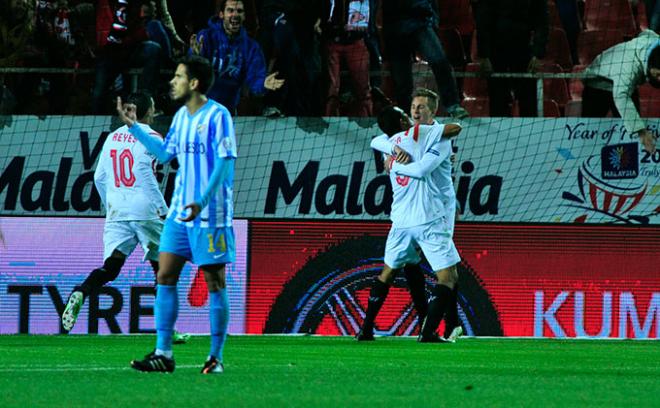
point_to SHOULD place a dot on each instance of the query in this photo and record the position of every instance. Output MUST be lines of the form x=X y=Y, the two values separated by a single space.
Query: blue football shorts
x=202 y=246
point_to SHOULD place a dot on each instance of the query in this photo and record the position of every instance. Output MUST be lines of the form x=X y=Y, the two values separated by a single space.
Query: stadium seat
x=641 y=17
x=473 y=47
x=103 y=22
x=478 y=107
x=551 y=109
x=456 y=14
x=605 y=14
x=573 y=109
x=423 y=76
x=474 y=87
x=555 y=21
x=557 y=50
x=453 y=46
x=593 y=42
x=555 y=88
x=649 y=101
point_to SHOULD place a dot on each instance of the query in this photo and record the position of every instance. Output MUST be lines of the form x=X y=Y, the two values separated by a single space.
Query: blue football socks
x=219 y=318
x=166 y=310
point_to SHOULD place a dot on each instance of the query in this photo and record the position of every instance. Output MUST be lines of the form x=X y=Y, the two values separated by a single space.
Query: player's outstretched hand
x=648 y=141
x=195 y=209
x=126 y=112
x=273 y=84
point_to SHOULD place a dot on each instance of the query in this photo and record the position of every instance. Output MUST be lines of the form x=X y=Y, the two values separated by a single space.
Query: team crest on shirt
x=402 y=180
x=227 y=144
x=201 y=128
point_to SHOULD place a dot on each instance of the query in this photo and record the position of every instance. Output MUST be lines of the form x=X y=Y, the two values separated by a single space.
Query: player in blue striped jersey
x=199 y=223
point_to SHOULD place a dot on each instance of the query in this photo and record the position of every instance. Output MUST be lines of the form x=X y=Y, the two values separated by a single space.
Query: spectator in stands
x=569 y=15
x=19 y=24
x=511 y=38
x=288 y=35
x=344 y=28
x=375 y=57
x=408 y=26
x=236 y=58
x=164 y=16
x=136 y=40
x=618 y=72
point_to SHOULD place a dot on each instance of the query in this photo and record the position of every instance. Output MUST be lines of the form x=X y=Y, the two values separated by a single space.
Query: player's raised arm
x=436 y=154
x=451 y=130
x=154 y=145
x=383 y=145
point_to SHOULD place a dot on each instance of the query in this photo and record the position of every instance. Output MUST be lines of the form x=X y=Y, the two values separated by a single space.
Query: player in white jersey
x=199 y=224
x=418 y=215
x=424 y=104
x=126 y=182
x=422 y=109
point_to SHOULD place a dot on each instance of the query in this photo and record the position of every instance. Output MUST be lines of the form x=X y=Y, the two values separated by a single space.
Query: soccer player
x=127 y=184
x=422 y=110
x=198 y=227
x=424 y=105
x=418 y=213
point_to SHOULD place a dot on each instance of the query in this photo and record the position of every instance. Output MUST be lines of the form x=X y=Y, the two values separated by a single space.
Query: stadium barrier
x=559 y=224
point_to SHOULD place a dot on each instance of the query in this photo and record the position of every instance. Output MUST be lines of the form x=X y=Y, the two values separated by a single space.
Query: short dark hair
x=198 y=68
x=221 y=4
x=389 y=120
x=428 y=94
x=142 y=102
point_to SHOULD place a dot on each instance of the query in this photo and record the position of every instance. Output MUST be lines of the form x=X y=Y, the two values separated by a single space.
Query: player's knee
x=112 y=267
x=165 y=277
x=447 y=276
x=454 y=274
x=215 y=278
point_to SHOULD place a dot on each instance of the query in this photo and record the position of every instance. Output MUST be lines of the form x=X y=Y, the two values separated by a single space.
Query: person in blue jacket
x=236 y=58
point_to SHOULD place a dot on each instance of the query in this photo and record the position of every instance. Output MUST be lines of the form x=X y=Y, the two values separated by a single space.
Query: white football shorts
x=434 y=239
x=124 y=236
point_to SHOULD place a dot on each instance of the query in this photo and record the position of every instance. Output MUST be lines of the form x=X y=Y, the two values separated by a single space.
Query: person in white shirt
x=613 y=79
x=418 y=214
x=126 y=182
x=422 y=110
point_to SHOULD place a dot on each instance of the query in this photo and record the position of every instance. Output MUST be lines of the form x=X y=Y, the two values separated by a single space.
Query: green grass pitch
x=274 y=371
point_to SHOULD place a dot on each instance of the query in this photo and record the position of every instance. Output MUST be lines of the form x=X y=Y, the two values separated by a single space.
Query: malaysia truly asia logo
x=612 y=191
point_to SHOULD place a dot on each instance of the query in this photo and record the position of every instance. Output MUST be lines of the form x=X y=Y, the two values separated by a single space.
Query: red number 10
x=123 y=167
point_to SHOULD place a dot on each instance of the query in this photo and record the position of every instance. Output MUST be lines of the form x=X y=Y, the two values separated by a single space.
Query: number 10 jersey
x=125 y=178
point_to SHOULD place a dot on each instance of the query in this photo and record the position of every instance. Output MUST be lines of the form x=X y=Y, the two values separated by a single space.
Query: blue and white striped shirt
x=199 y=142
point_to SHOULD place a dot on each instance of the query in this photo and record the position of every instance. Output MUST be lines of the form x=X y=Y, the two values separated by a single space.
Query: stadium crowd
x=317 y=57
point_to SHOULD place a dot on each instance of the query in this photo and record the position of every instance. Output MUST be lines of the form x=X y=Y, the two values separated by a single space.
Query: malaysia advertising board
x=507 y=170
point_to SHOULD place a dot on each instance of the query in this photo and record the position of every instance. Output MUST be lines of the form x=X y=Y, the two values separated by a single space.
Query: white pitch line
x=74 y=369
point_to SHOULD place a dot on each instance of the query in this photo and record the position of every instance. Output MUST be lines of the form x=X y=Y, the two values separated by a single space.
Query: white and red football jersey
x=125 y=178
x=418 y=199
